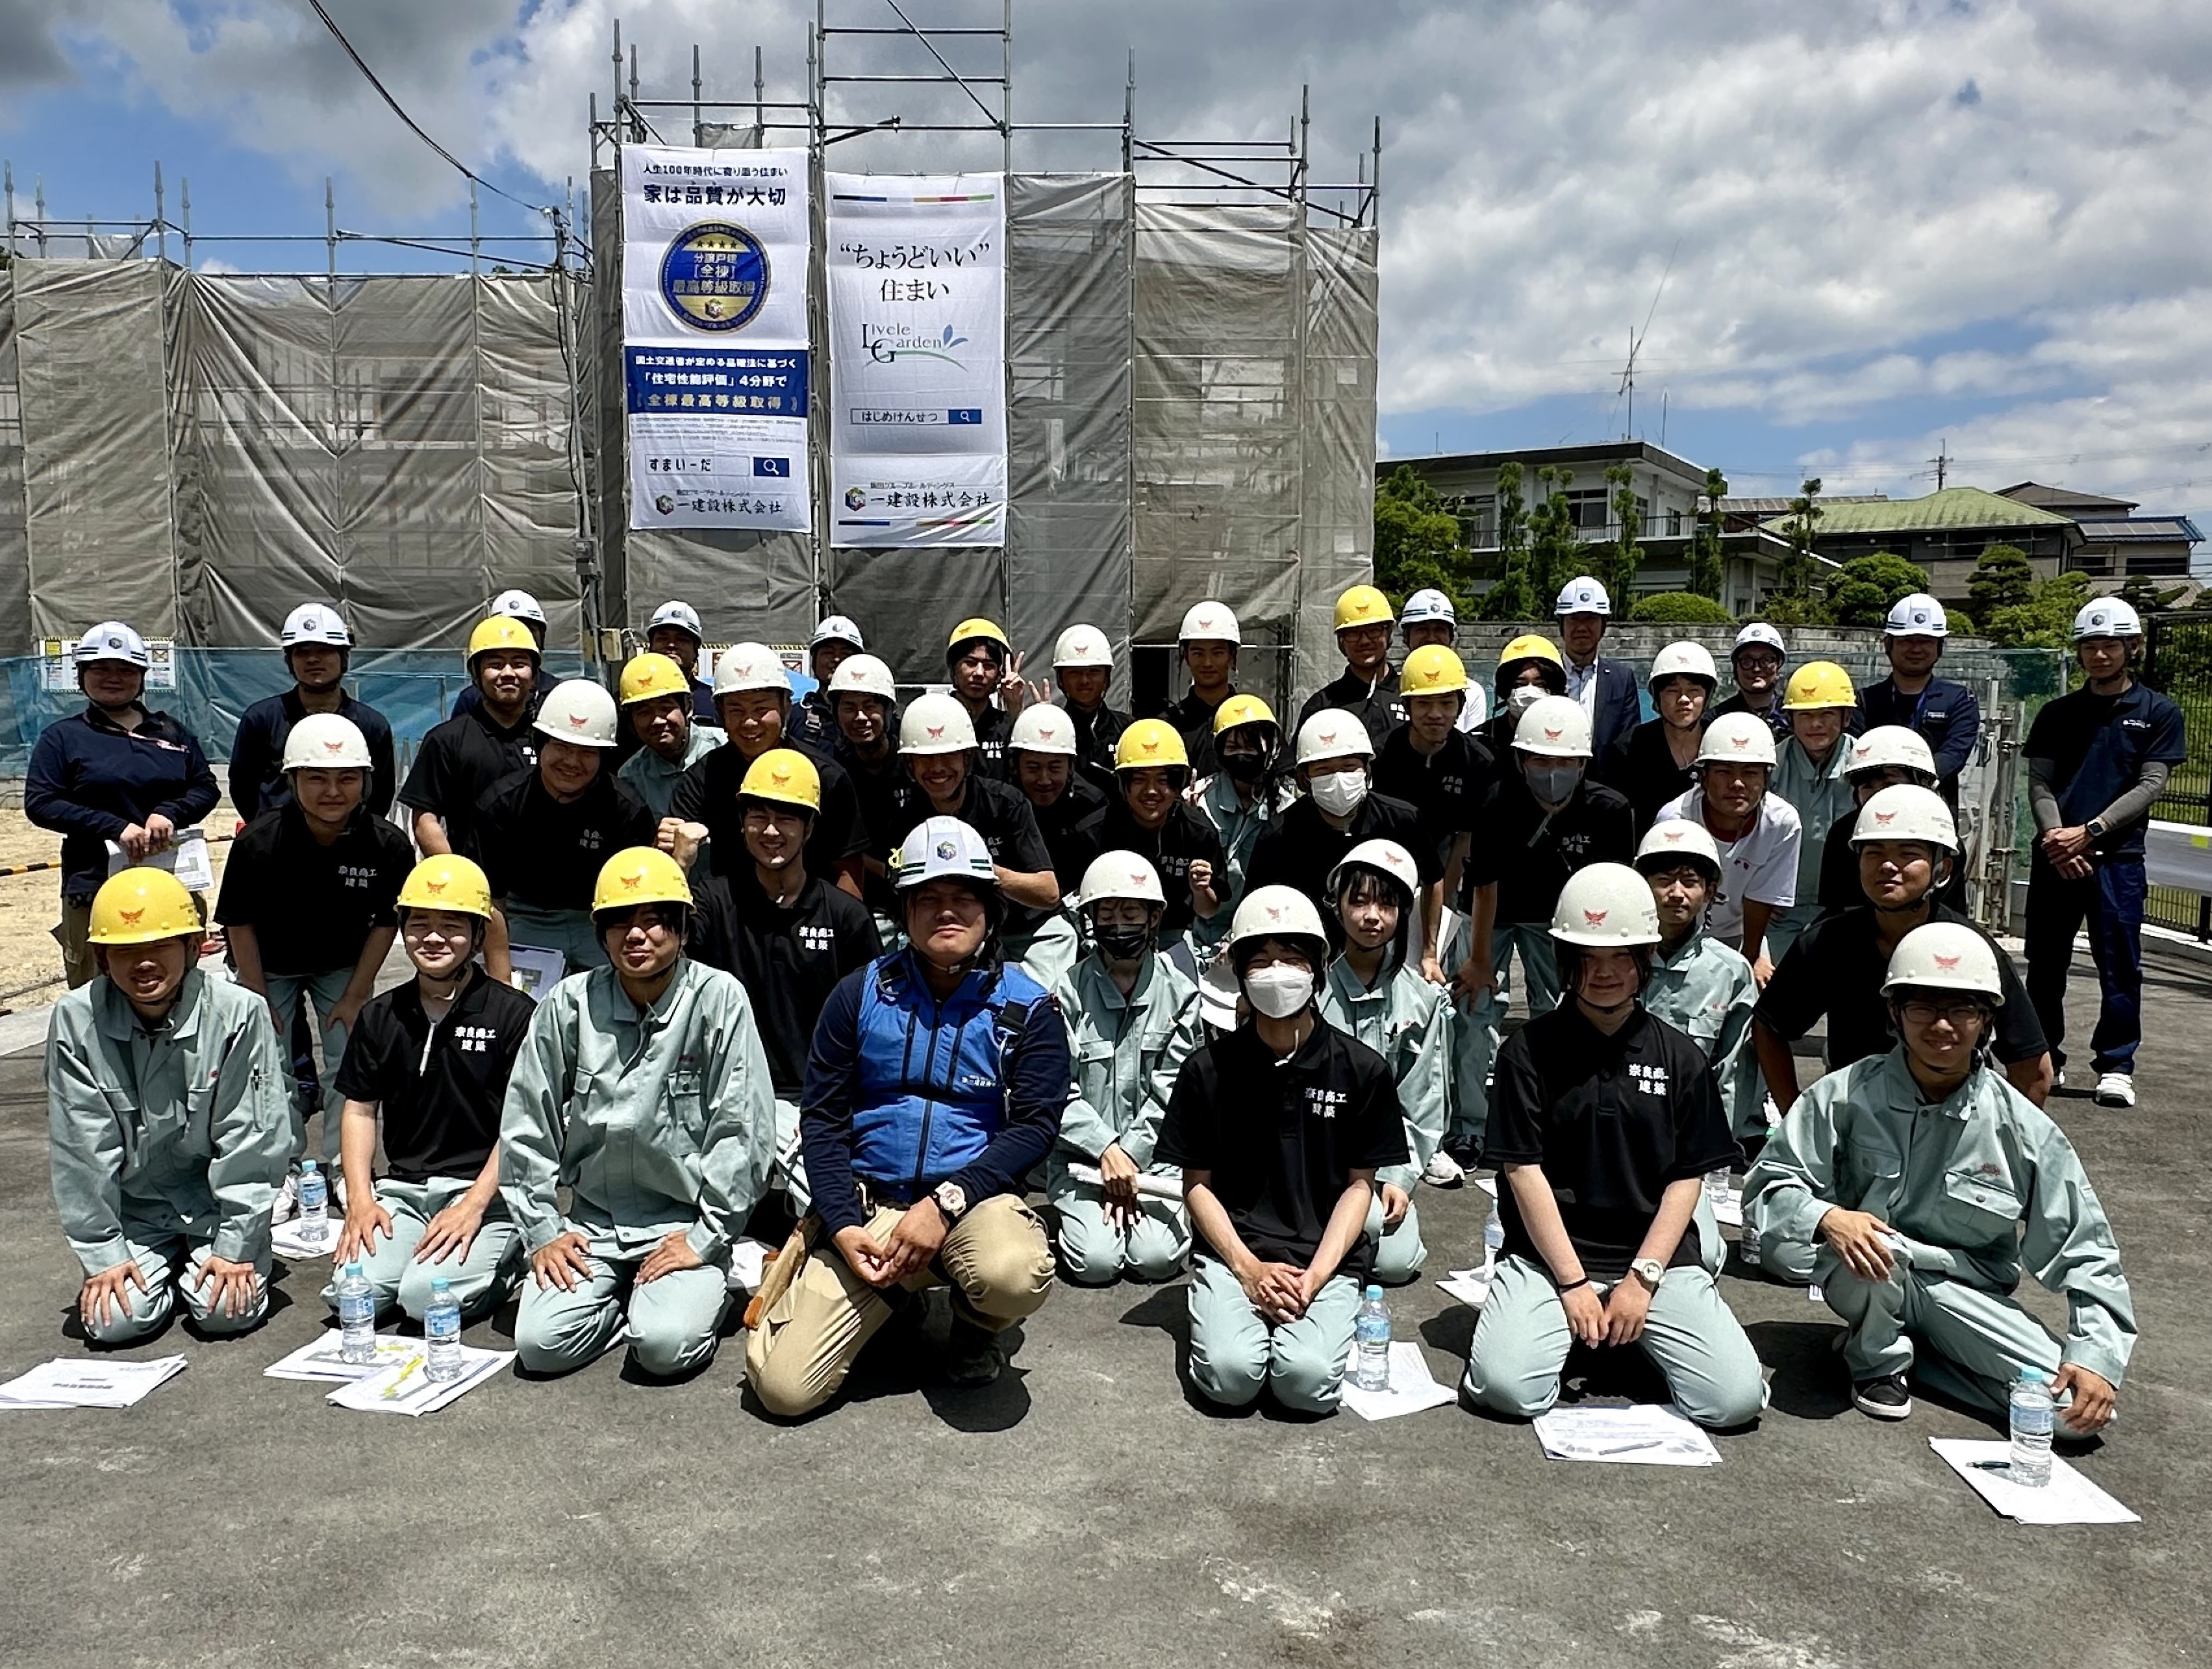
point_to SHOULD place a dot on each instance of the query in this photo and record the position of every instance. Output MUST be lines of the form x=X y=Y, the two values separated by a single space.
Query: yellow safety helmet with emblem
x=648 y=676
x=141 y=905
x=446 y=882
x=1531 y=646
x=1432 y=669
x=1364 y=606
x=501 y=632
x=1817 y=686
x=1244 y=710
x=640 y=875
x=1149 y=742
x=975 y=629
x=783 y=776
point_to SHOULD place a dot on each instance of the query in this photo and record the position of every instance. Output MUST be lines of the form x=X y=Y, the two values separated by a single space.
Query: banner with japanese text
x=715 y=372
x=916 y=267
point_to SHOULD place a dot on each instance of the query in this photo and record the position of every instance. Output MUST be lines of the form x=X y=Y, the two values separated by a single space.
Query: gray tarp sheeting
x=1337 y=534
x=15 y=556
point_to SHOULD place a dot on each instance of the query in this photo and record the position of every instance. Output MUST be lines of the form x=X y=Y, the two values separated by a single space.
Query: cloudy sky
x=1883 y=227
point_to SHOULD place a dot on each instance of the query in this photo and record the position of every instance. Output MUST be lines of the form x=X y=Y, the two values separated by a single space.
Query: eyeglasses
x=1925 y=1011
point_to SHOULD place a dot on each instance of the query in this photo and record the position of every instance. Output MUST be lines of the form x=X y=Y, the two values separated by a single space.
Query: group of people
x=865 y=972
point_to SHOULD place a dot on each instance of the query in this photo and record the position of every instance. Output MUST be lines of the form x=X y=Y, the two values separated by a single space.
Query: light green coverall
x=657 y=1121
x=1706 y=990
x=1127 y=1051
x=168 y=1147
x=1407 y=1021
x=1240 y=827
x=1959 y=1180
x=1819 y=795
x=653 y=778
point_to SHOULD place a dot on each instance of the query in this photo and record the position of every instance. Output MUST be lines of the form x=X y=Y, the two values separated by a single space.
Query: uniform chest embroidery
x=812 y=937
x=356 y=875
x=474 y=1040
x=589 y=839
x=1323 y=1103
x=1652 y=1080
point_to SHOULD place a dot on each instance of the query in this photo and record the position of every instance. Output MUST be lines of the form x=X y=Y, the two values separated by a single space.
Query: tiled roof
x=1956 y=507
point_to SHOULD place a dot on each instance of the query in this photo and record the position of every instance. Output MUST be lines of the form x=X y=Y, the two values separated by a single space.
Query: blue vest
x=931 y=1093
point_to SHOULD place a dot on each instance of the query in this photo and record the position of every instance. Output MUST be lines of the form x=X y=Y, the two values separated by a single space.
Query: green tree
x=1512 y=598
x=1680 y=609
x=1707 y=567
x=2045 y=621
x=1417 y=542
x=2002 y=579
x=1555 y=554
x=1801 y=529
x=1861 y=591
x=1624 y=555
x=2142 y=593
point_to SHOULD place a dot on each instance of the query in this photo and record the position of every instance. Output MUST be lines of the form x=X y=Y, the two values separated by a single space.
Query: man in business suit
x=1607 y=688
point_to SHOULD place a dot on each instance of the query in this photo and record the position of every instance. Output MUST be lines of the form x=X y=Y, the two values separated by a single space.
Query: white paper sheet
x=748 y=1263
x=2068 y=1498
x=1470 y=1286
x=1729 y=1209
x=288 y=1238
x=78 y=1382
x=408 y=1390
x=185 y=858
x=1488 y=1184
x=1641 y=1434
x=1153 y=1187
x=320 y=1359
x=536 y=972
x=1412 y=1387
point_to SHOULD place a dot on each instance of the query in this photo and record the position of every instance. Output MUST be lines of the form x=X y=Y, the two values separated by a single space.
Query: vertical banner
x=715 y=256
x=917 y=360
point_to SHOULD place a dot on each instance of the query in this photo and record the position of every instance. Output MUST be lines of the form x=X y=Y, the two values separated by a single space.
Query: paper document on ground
x=408 y=1388
x=2068 y=1498
x=1470 y=1286
x=1412 y=1387
x=75 y=1382
x=748 y=1262
x=1488 y=1184
x=1728 y=1208
x=1641 y=1434
x=289 y=1238
x=323 y=1358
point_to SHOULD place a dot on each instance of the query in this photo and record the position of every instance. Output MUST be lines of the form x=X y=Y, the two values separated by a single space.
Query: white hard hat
x=1886 y=745
x=1917 y=616
x=1605 y=905
x=1121 y=875
x=863 y=675
x=1582 y=595
x=578 y=711
x=939 y=846
x=1678 y=840
x=1554 y=727
x=2106 y=617
x=1333 y=733
x=314 y=622
x=1945 y=955
x=744 y=667
x=1282 y=913
x=326 y=741
x=1759 y=631
x=517 y=605
x=1210 y=622
x=1387 y=856
x=111 y=640
x=1043 y=728
x=1907 y=811
x=836 y=628
x=935 y=724
x=1425 y=606
x=1680 y=660
x=680 y=615
x=1083 y=646
x=1737 y=738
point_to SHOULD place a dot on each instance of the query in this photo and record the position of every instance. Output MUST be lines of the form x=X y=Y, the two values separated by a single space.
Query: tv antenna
x=1942 y=461
x=1636 y=343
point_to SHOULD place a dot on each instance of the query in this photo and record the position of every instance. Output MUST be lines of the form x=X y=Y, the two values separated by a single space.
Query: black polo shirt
x=438 y=1087
x=1445 y=787
x=708 y=793
x=459 y=760
x=994 y=725
x=1096 y=731
x=1531 y=853
x=1001 y=814
x=1836 y=969
x=1839 y=865
x=2099 y=745
x=1299 y=848
x=1613 y=1121
x=1281 y=1136
x=1069 y=827
x=1189 y=836
x=1378 y=706
x=1641 y=769
x=1192 y=719
x=538 y=850
x=311 y=907
x=789 y=959
x=875 y=796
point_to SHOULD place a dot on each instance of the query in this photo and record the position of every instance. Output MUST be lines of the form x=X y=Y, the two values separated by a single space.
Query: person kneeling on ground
x=1697 y=984
x=169 y=1123
x=1374 y=996
x=1133 y=1020
x=642 y=1088
x=937 y=1081
x=1914 y=1185
x=1279 y=1127
x=1604 y=1123
x=429 y=1061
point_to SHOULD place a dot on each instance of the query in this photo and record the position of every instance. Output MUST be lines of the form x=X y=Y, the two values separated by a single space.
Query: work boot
x=2116 y=1089
x=1883 y=1398
x=972 y=1356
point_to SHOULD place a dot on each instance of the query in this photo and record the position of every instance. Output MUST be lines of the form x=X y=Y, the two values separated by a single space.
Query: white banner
x=715 y=256
x=917 y=334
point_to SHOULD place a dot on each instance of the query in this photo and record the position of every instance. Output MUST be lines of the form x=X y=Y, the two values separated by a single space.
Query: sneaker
x=1884 y=1399
x=2116 y=1089
x=1443 y=1171
x=286 y=1203
x=972 y=1356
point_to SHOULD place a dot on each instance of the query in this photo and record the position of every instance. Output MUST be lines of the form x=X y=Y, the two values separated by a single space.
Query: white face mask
x=1279 y=990
x=1339 y=793
x=1522 y=697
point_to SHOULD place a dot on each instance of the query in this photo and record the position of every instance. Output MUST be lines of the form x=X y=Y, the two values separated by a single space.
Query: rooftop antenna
x=1636 y=343
x=1942 y=461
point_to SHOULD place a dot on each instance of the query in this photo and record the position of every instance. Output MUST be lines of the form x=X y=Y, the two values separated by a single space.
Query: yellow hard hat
x=1242 y=710
x=1149 y=742
x=640 y=875
x=1363 y=605
x=139 y=905
x=646 y=677
x=1432 y=669
x=446 y=882
x=500 y=632
x=1531 y=646
x=784 y=776
x=1818 y=685
x=972 y=627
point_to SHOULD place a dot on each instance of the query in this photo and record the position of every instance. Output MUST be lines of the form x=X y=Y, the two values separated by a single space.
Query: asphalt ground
x=1085 y=1510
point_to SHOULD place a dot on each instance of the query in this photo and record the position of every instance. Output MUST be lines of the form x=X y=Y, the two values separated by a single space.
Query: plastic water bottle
x=1370 y=1335
x=1746 y=1244
x=356 y=1317
x=1494 y=1238
x=442 y=1329
x=1716 y=1187
x=2033 y=1420
x=314 y=1204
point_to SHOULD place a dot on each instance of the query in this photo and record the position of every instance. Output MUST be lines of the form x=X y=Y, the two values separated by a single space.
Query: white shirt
x=1762 y=865
x=1474 y=711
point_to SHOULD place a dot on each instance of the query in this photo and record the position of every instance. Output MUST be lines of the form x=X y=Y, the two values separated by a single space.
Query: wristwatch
x=1649 y=1270
x=2095 y=826
x=952 y=1199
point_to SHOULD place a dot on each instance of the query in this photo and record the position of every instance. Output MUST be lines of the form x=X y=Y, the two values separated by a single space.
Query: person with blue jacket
x=318 y=651
x=937 y=1082
x=1943 y=714
x=1609 y=690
